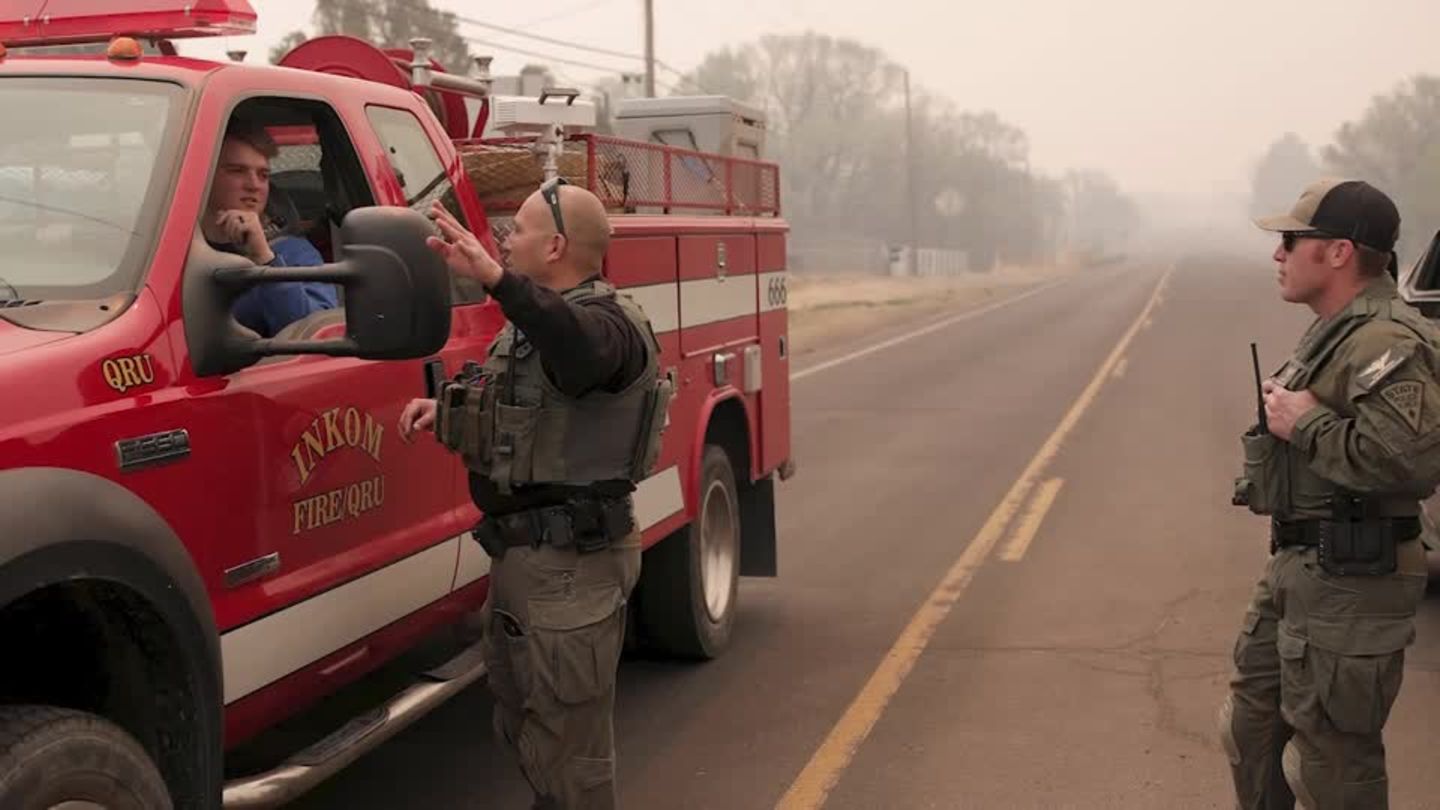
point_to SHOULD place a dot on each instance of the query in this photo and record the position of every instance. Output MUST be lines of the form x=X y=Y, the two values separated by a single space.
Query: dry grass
x=830 y=308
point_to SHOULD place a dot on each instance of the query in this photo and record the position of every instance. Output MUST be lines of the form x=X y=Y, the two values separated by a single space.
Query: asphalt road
x=1083 y=670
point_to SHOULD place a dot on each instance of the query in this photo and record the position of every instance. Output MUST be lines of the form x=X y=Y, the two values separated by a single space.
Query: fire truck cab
x=205 y=531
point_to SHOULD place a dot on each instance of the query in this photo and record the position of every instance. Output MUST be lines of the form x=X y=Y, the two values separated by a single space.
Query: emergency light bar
x=25 y=23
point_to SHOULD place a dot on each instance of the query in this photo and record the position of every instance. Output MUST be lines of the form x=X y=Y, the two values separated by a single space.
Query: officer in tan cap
x=1348 y=448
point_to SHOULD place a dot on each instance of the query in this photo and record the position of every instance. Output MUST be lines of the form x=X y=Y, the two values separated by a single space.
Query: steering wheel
x=281 y=214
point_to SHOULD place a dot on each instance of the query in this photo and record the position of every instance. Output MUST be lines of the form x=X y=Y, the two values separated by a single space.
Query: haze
x=1176 y=101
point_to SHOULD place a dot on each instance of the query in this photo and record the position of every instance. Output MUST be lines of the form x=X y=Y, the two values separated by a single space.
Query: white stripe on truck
x=262 y=652
x=712 y=300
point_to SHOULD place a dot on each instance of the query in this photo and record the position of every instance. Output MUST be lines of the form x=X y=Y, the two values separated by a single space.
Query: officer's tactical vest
x=1278 y=481
x=513 y=426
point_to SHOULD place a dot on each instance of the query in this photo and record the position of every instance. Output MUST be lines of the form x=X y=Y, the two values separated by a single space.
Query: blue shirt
x=268 y=308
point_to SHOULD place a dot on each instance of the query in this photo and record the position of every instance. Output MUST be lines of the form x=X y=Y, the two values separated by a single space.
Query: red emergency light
x=26 y=23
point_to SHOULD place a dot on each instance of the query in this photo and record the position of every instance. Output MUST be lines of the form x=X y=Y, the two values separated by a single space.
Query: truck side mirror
x=397 y=290
x=397 y=296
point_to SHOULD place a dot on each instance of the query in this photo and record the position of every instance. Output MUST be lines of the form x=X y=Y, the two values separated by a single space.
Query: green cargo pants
x=554 y=626
x=1318 y=665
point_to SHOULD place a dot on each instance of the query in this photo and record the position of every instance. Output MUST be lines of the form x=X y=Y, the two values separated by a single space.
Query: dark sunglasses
x=550 y=192
x=1289 y=238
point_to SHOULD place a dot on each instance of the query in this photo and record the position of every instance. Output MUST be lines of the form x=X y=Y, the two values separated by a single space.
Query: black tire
x=677 y=616
x=50 y=756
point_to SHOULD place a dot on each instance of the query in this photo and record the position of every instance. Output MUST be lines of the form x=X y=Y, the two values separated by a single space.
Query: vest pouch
x=1310 y=495
x=472 y=433
x=447 y=416
x=652 y=429
x=1266 y=483
x=512 y=448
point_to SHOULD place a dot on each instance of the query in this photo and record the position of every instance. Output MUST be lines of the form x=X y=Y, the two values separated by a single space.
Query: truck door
x=420 y=177
x=330 y=527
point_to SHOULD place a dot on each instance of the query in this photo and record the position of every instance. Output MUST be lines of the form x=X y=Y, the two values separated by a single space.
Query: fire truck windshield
x=79 y=178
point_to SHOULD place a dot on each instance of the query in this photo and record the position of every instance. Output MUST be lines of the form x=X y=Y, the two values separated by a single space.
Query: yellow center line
x=1015 y=550
x=822 y=772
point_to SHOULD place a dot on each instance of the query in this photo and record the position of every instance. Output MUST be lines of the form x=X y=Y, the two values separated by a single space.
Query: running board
x=363 y=734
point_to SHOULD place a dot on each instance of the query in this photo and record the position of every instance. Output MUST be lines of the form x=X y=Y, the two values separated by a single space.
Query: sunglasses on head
x=550 y=192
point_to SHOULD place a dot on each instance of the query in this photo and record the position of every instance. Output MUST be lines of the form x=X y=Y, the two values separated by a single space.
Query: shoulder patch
x=1379 y=368
x=1407 y=398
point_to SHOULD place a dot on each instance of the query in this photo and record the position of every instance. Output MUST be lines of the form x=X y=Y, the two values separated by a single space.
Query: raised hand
x=245 y=229
x=461 y=250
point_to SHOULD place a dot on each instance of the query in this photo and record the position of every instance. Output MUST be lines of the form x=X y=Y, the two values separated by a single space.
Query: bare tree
x=836 y=117
x=390 y=23
x=1396 y=146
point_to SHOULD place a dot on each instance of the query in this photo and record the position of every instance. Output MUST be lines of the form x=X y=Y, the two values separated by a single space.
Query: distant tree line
x=1394 y=144
x=835 y=112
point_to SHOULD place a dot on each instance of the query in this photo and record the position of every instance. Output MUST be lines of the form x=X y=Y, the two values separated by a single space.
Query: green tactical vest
x=513 y=426
x=1277 y=479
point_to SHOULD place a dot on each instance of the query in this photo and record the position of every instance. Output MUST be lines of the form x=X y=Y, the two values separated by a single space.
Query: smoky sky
x=1169 y=97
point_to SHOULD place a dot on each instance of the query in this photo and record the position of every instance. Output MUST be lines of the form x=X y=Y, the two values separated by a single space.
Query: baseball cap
x=1344 y=209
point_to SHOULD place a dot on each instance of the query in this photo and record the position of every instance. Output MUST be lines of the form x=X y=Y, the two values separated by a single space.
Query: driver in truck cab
x=236 y=221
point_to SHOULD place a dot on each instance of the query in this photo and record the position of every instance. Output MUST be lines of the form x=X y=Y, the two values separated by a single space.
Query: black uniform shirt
x=587 y=346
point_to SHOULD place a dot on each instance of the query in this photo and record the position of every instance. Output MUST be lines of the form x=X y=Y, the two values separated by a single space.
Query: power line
x=685 y=78
x=564 y=43
x=576 y=10
x=539 y=55
x=669 y=88
x=568 y=43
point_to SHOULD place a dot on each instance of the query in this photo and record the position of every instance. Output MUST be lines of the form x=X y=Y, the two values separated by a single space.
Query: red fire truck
x=204 y=532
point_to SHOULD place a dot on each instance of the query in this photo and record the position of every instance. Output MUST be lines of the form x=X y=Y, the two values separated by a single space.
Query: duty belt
x=1312 y=532
x=585 y=525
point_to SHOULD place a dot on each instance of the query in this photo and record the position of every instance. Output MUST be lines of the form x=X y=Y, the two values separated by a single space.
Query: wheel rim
x=76 y=804
x=719 y=546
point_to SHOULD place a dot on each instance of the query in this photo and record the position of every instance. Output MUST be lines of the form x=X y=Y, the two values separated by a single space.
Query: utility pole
x=649 y=48
x=909 y=176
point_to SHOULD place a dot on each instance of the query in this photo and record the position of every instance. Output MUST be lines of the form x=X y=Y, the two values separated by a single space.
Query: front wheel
x=689 y=581
x=61 y=759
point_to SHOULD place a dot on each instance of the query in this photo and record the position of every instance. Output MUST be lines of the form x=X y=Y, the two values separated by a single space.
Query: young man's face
x=242 y=181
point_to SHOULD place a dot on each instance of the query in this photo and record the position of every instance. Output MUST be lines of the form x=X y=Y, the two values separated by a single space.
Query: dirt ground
x=826 y=308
